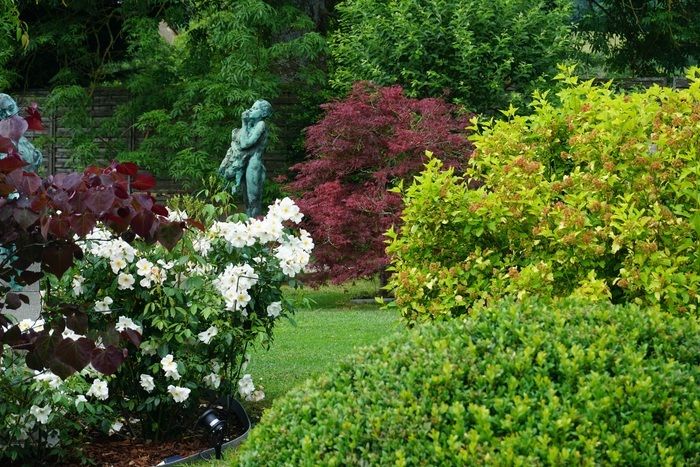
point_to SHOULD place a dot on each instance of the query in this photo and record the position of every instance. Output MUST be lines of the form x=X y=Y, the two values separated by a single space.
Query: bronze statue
x=243 y=164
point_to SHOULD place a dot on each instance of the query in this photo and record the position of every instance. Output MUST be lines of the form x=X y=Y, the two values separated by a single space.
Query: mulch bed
x=117 y=452
x=120 y=451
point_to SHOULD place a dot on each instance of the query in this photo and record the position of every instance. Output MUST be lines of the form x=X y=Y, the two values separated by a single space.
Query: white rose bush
x=42 y=415
x=189 y=314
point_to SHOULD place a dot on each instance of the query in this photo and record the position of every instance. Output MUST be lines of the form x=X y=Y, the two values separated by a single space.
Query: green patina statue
x=12 y=124
x=243 y=164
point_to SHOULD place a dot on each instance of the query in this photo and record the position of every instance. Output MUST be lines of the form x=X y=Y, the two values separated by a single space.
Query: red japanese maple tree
x=363 y=146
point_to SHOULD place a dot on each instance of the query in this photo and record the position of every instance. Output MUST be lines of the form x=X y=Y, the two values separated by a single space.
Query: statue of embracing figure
x=243 y=164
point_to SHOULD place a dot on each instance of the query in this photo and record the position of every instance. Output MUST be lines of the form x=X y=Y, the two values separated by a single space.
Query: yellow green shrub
x=594 y=194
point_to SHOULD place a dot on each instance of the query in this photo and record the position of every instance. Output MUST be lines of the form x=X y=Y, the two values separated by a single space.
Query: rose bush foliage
x=594 y=194
x=198 y=307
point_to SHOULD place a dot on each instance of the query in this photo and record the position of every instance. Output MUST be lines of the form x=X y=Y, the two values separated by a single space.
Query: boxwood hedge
x=521 y=384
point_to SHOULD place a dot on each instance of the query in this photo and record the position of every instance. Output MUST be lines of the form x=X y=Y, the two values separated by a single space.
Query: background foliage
x=521 y=384
x=480 y=53
x=641 y=36
x=185 y=96
x=595 y=196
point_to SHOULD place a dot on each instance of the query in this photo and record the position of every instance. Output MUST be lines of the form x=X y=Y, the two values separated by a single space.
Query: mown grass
x=323 y=334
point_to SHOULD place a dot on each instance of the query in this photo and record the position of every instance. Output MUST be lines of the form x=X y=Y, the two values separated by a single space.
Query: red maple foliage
x=363 y=146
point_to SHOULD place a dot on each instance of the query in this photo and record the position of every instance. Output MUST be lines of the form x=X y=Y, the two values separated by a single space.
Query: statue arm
x=249 y=137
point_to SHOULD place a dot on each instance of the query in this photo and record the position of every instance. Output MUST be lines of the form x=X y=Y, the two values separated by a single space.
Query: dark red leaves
x=82 y=224
x=160 y=210
x=100 y=200
x=195 y=223
x=10 y=163
x=73 y=355
x=142 y=224
x=143 y=182
x=13 y=128
x=77 y=321
x=131 y=336
x=57 y=257
x=42 y=221
x=127 y=168
x=33 y=117
x=59 y=226
x=363 y=146
x=67 y=182
x=169 y=234
x=24 y=217
x=12 y=301
x=8 y=147
x=107 y=360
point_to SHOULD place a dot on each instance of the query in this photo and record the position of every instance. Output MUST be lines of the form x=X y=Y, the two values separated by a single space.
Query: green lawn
x=322 y=336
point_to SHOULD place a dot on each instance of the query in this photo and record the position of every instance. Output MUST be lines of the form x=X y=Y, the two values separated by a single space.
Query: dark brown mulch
x=127 y=452
x=119 y=451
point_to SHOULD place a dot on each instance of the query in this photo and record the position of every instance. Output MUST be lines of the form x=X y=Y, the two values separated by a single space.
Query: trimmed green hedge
x=522 y=384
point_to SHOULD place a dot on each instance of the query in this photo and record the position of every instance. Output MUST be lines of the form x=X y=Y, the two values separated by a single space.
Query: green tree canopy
x=482 y=53
x=186 y=93
x=644 y=37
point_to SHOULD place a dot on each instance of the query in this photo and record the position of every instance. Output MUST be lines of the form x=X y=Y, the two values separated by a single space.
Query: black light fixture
x=212 y=421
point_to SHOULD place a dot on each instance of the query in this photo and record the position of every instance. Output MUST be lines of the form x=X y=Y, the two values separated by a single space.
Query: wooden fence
x=104 y=103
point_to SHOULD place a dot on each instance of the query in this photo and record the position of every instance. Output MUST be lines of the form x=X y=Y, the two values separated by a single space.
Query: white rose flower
x=117 y=264
x=116 y=427
x=103 y=305
x=166 y=265
x=77 y=285
x=70 y=334
x=143 y=267
x=256 y=396
x=99 y=390
x=25 y=324
x=41 y=413
x=246 y=386
x=212 y=380
x=274 y=309
x=125 y=281
x=206 y=336
x=178 y=393
x=147 y=383
x=80 y=400
x=125 y=323
x=49 y=378
x=202 y=245
x=169 y=367
x=176 y=215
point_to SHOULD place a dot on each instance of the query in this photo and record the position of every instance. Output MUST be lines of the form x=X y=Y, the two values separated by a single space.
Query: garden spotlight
x=216 y=426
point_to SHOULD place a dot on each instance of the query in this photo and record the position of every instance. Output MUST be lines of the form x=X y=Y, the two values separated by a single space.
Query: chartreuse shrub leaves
x=596 y=195
x=570 y=383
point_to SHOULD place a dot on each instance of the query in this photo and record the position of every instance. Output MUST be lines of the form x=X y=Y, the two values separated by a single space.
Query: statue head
x=261 y=109
x=8 y=107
